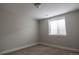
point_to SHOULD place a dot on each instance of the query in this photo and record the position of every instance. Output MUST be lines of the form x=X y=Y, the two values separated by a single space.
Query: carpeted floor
x=42 y=50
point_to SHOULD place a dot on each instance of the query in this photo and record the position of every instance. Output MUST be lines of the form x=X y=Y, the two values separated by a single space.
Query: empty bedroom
x=39 y=28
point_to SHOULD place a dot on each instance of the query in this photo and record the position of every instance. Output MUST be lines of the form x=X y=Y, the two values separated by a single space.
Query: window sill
x=57 y=35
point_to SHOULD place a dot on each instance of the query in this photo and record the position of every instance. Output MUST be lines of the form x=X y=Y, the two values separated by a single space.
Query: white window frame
x=53 y=19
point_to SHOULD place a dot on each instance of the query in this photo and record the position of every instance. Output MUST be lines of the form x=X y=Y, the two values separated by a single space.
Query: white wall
x=72 y=28
x=17 y=29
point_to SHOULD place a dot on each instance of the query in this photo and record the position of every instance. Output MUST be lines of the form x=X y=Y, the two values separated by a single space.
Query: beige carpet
x=42 y=50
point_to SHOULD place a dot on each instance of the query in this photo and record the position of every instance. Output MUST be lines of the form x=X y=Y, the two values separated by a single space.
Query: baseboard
x=57 y=46
x=14 y=49
x=52 y=45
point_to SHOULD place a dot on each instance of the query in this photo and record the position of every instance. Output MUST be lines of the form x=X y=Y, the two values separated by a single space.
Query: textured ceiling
x=46 y=10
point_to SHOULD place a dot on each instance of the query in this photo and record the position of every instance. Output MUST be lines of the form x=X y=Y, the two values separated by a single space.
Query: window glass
x=57 y=27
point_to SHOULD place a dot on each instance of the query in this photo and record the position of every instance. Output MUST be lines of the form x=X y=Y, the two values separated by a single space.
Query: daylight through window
x=57 y=27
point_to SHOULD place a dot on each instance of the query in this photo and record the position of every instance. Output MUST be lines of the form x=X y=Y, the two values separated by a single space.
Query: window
x=57 y=27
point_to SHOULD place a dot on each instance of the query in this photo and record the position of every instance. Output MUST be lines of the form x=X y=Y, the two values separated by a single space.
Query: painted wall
x=72 y=28
x=17 y=29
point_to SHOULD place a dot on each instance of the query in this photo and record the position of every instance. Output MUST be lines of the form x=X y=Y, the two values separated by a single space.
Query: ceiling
x=45 y=11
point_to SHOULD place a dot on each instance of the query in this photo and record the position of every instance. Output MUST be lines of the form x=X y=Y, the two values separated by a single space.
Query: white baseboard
x=14 y=49
x=52 y=45
x=57 y=46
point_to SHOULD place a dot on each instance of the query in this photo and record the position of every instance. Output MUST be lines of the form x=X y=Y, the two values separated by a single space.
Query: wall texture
x=17 y=29
x=72 y=28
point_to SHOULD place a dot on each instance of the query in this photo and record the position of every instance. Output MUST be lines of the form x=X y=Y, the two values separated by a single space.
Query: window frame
x=53 y=19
